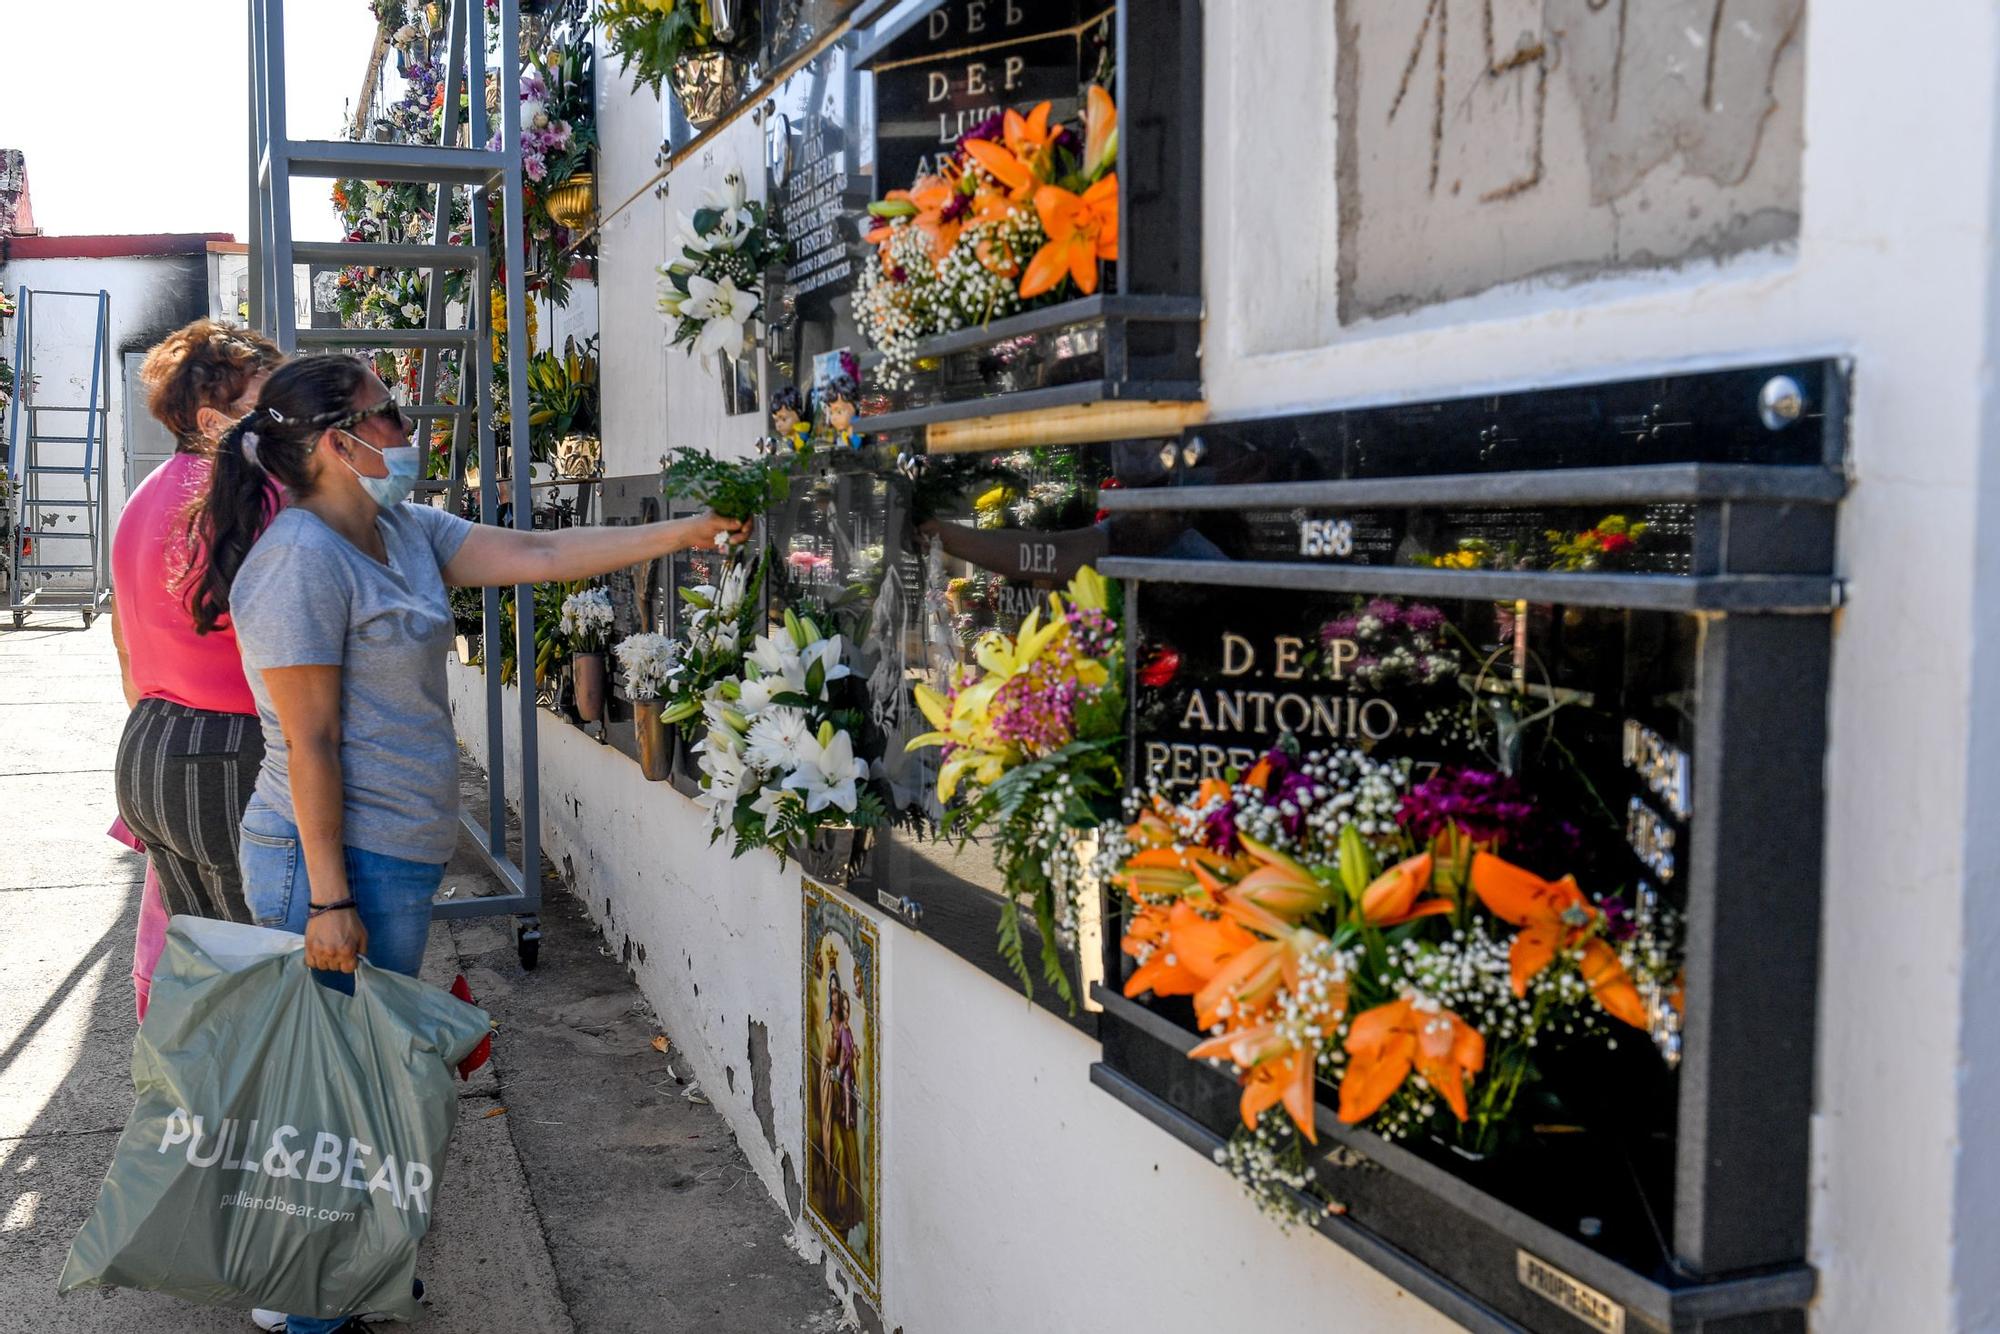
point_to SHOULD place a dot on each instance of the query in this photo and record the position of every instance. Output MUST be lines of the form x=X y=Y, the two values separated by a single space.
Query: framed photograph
x=843 y=1151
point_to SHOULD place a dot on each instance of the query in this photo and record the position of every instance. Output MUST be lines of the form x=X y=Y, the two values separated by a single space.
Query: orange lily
x=1274 y=1071
x=1100 y=131
x=1554 y=916
x=1082 y=231
x=1280 y=885
x=1030 y=135
x=930 y=196
x=1005 y=166
x=1387 y=1042
x=1182 y=948
x=1391 y=898
x=1250 y=979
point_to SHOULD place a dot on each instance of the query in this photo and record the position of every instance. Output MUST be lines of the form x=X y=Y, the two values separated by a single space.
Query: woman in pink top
x=192 y=747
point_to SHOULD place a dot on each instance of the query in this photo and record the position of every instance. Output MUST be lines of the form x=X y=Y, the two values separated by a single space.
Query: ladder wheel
x=528 y=944
x=20 y=619
x=88 y=617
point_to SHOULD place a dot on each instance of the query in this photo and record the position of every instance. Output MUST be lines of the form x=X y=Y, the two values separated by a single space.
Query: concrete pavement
x=585 y=1191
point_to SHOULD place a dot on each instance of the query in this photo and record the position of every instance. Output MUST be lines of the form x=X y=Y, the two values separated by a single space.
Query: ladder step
x=436 y=409
x=450 y=339
x=54 y=569
x=381 y=256
x=62 y=439
x=53 y=470
x=394 y=162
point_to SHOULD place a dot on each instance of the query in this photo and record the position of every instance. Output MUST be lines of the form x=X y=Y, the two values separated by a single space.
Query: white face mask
x=405 y=464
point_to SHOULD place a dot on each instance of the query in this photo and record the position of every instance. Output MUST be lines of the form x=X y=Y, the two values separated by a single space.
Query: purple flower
x=988 y=129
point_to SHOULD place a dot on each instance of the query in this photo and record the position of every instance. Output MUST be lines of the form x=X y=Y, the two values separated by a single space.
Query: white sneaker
x=271 y=1321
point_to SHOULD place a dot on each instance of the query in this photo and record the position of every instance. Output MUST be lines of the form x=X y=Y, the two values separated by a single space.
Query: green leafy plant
x=562 y=394
x=652 y=35
x=733 y=488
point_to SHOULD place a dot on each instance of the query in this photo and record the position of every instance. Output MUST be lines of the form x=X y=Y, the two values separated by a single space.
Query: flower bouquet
x=1030 y=748
x=734 y=489
x=585 y=624
x=1604 y=546
x=777 y=761
x=1021 y=213
x=646 y=662
x=713 y=293
x=1332 y=921
x=718 y=624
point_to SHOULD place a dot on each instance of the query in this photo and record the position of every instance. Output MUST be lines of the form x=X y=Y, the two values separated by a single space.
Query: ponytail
x=268 y=448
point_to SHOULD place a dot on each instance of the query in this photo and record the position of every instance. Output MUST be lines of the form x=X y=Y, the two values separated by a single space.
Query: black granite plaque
x=966 y=60
x=1591 y=707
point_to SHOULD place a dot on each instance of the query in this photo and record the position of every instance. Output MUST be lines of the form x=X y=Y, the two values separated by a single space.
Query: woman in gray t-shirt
x=339 y=605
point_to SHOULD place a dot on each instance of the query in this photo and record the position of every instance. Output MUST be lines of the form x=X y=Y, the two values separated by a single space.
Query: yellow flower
x=1089 y=590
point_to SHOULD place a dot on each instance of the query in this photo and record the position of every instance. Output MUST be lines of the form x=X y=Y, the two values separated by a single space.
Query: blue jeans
x=394 y=895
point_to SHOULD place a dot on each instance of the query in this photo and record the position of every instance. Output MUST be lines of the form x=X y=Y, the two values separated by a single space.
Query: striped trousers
x=184 y=777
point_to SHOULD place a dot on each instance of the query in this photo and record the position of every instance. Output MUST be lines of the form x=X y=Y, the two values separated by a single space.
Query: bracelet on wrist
x=314 y=910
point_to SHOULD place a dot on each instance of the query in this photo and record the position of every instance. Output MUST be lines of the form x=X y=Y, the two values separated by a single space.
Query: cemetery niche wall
x=949 y=127
x=1572 y=645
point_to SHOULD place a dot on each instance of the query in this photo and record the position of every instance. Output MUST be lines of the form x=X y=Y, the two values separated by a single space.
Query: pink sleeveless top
x=149 y=559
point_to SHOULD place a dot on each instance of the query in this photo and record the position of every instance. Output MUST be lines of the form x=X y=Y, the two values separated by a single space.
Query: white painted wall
x=1020 y=1199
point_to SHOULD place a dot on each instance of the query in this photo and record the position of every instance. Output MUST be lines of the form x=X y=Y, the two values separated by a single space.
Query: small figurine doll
x=789 y=426
x=840 y=392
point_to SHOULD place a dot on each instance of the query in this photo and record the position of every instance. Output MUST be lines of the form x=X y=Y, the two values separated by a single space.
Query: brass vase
x=655 y=741
x=587 y=671
x=574 y=202
x=707 y=83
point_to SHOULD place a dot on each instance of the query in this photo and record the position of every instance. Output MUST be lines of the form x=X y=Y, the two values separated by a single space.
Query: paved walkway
x=585 y=1190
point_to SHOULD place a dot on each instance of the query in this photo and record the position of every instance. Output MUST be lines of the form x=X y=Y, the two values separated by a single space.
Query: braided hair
x=271 y=444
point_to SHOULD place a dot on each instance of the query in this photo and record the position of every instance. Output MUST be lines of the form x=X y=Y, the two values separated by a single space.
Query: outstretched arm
x=495 y=557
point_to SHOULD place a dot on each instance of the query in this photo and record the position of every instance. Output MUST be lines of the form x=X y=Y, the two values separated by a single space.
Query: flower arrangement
x=1021 y=213
x=718 y=625
x=1330 y=920
x=1029 y=744
x=713 y=293
x=1384 y=643
x=777 y=761
x=585 y=621
x=1596 y=547
x=734 y=489
x=646 y=663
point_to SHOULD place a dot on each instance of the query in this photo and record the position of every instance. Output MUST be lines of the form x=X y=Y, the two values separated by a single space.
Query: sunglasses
x=388 y=408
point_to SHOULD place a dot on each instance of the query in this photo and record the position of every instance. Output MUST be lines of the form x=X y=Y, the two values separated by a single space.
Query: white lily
x=827 y=653
x=670 y=298
x=726 y=771
x=827 y=773
x=725 y=312
x=774 y=654
x=769 y=800
x=732 y=194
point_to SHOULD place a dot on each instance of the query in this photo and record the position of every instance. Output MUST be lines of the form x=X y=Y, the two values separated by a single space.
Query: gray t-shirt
x=306 y=596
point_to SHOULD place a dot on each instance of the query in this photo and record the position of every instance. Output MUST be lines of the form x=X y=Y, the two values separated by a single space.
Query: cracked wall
x=1482 y=142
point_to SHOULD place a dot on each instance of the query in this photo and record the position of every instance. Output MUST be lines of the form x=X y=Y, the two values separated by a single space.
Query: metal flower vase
x=587 y=674
x=574 y=202
x=707 y=83
x=833 y=856
x=655 y=741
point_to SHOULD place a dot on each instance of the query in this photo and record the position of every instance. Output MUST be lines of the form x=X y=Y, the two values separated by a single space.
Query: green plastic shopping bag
x=287 y=1142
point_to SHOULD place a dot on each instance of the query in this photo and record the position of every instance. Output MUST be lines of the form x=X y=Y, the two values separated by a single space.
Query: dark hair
x=206 y=364
x=300 y=400
x=841 y=385
x=786 y=399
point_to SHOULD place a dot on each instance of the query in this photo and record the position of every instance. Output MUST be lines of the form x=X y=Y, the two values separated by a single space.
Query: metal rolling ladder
x=56 y=460
x=275 y=159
